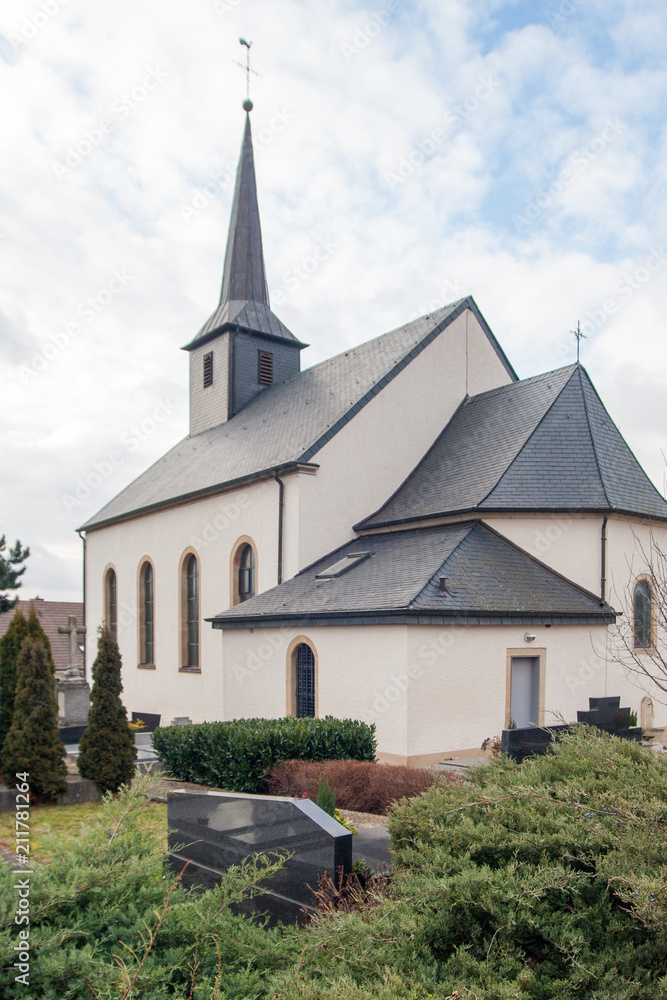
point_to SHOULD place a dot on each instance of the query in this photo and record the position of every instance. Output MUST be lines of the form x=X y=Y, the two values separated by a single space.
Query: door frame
x=540 y=654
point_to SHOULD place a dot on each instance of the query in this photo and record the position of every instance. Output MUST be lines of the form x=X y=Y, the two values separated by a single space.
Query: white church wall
x=629 y=543
x=358 y=669
x=370 y=457
x=210 y=527
x=458 y=688
x=568 y=543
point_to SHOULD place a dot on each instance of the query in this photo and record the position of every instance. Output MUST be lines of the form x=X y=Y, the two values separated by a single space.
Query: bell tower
x=243 y=348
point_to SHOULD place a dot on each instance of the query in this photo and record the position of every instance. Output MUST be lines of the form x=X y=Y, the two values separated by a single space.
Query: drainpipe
x=603 y=560
x=281 y=518
x=83 y=539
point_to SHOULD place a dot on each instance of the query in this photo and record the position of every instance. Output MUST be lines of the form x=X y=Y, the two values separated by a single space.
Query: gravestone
x=149 y=719
x=72 y=689
x=213 y=830
x=605 y=713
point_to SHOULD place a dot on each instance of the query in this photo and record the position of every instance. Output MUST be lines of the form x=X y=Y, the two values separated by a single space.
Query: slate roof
x=51 y=614
x=489 y=580
x=244 y=296
x=285 y=424
x=545 y=443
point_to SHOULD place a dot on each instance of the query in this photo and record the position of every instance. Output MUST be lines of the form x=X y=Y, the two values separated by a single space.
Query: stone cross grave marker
x=73 y=630
x=72 y=690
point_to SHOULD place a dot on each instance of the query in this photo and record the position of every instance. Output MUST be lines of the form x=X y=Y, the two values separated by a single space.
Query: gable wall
x=370 y=457
x=568 y=543
x=211 y=527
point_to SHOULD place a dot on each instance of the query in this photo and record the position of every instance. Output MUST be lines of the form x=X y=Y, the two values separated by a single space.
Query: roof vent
x=443 y=584
x=342 y=566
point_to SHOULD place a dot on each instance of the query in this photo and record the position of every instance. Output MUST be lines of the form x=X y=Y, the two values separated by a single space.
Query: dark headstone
x=605 y=713
x=214 y=830
x=521 y=743
x=151 y=722
x=71 y=734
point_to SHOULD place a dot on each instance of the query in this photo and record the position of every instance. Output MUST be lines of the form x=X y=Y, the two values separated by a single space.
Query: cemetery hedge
x=237 y=755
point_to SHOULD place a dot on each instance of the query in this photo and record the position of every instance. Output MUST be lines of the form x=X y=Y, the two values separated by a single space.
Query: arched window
x=246 y=573
x=147 y=615
x=642 y=615
x=191 y=611
x=243 y=571
x=304 y=681
x=111 y=603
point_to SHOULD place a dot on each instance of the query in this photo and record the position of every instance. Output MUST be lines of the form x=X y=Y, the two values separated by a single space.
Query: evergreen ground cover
x=541 y=880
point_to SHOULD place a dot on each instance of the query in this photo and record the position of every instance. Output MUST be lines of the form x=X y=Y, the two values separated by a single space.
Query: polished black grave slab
x=213 y=830
x=605 y=713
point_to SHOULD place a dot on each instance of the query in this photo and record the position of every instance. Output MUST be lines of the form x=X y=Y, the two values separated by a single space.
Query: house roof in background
x=51 y=614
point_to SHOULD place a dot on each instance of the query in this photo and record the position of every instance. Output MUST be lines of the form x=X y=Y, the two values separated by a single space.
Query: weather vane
x=247 y=69
x=580 y=336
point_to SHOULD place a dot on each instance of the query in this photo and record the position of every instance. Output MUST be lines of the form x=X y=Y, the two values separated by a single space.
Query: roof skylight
x=342 y=566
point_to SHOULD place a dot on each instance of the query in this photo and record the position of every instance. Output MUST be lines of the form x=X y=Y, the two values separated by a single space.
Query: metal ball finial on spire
x=247 y=68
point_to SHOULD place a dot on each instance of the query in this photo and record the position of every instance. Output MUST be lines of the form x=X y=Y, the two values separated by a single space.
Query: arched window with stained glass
x=643 y=615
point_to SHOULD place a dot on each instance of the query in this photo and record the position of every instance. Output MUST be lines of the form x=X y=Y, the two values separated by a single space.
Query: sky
x=407 y=154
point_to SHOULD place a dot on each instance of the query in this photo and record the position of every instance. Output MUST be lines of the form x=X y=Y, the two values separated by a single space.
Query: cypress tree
x=10 y=647
x=32 y=743
x=106 y=749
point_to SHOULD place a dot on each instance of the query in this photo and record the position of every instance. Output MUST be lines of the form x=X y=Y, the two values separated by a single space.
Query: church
x=406 y=534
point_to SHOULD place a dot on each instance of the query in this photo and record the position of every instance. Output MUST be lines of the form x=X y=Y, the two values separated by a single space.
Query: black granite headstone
x=151 y=722
x=605 y=713
x=213 y=830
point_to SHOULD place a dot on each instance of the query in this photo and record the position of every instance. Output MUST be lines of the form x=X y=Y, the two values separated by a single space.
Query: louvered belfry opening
x=208 y=370
x=304 y=687
x=265 y=360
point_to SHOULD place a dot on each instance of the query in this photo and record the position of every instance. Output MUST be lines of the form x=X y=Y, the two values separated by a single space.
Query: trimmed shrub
x=107 y=751
x=357 y=785
x=32 y=743
x=237 y=755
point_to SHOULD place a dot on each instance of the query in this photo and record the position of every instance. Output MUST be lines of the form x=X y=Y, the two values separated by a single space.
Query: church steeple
x=244 y=275
x=243 y=347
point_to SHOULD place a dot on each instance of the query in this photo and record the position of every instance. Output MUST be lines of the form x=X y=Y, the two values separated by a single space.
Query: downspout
x=83 y=539
x=603 y=560
x=281 y=518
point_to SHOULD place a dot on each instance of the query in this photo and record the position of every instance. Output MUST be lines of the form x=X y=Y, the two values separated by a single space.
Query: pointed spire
x=244 y=275
x=244 y=296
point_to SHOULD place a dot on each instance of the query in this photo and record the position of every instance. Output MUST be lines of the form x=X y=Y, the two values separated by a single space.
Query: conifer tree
x=106 y=749
x=9 y=571
x=32 y=743
x=10 y=647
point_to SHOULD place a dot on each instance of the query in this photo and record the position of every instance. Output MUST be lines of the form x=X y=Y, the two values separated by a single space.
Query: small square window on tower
x=208 y=370
x=265 y=376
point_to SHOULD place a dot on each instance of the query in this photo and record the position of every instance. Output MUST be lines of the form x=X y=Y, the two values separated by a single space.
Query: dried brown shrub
x=350 y=893
x=359 y=785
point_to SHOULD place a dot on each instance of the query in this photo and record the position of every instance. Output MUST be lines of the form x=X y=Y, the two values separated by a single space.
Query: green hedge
x=236 y=755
